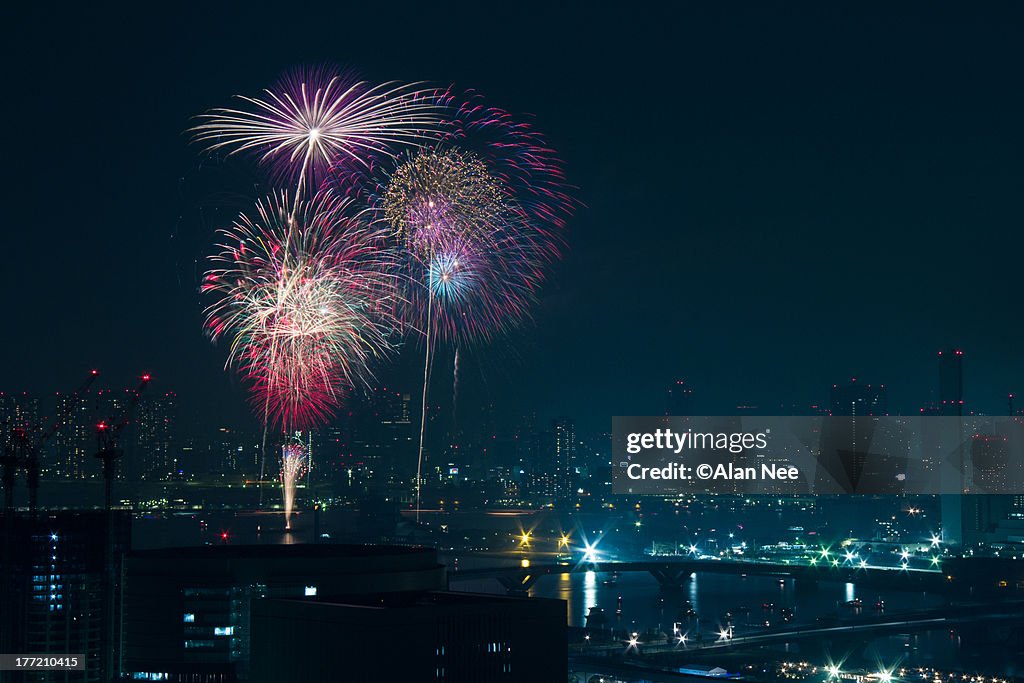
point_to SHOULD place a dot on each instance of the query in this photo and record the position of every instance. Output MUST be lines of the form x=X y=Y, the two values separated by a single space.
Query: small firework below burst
x=293 y=467
x=305 y=301
x=450 y=277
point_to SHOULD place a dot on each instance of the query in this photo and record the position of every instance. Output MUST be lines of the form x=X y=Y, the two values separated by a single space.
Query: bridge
x=652 y=661
x=861 y=627
x=674 y=574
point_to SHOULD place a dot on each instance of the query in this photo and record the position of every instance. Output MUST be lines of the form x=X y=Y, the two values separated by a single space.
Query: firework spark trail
x=313 y=116
x=305 y=301
x=455 y=390
x=294 y=461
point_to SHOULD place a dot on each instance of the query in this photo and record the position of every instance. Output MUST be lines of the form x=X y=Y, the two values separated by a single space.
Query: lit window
x=310 y=590
x=189 y=618
x=224 y=631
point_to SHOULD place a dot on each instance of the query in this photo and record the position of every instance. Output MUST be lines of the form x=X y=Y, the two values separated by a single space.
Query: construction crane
x=108 y=434
x=23 y=448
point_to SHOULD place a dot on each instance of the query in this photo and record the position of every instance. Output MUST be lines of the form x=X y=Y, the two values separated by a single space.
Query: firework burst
x=305 y=299
x=314 y=116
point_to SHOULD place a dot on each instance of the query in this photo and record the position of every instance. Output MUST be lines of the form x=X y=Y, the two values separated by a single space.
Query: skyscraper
x=858 y=399
x=957 y=512
x=563 y=441
x=951 y=382
x=69 y=455
x=680 y=398
x=155 y=458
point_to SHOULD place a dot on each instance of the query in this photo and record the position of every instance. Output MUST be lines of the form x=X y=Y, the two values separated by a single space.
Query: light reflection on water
x=589 y=592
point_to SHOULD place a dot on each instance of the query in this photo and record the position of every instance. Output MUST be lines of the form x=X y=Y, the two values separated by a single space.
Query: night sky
x=776 y=199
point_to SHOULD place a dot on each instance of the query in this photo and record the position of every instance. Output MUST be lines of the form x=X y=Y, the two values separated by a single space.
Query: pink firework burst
x=305 y=298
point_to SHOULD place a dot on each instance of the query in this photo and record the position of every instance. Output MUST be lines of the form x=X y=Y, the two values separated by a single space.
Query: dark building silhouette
x=437 y=636
x=680 y=398
x=962 y=516
x=218 y=614
x=56 y=585
x=951 y=382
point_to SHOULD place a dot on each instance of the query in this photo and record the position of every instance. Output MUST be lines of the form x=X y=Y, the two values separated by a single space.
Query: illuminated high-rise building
x=563 y=443
x=17 y=411
x=69 y=453
x=155 y=457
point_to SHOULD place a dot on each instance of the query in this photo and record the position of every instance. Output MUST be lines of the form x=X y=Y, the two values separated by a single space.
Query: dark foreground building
x=219 y=614
x=449 y=637
x=60 y=589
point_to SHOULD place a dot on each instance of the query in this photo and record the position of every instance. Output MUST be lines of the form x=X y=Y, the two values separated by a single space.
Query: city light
x=590 y=552
x=563 y=542
x=936 y=540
